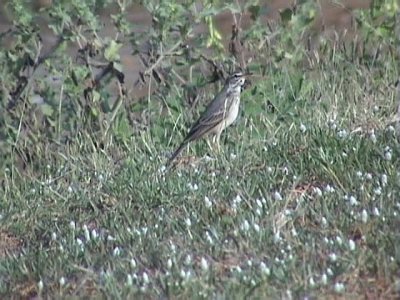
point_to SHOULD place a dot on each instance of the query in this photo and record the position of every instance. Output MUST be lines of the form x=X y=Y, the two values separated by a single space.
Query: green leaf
x=286 y=15
x=46 y=109
x=112 y=51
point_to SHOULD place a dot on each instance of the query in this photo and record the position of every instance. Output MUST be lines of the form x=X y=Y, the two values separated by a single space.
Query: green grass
x=302 y=201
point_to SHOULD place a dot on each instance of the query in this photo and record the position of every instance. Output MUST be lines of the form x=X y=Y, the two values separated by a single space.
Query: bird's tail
x=176 y=153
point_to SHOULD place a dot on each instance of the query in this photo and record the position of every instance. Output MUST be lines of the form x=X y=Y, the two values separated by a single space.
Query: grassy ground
x=303 y=201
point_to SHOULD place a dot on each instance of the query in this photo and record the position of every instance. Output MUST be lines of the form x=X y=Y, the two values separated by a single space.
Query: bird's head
x=236 y=80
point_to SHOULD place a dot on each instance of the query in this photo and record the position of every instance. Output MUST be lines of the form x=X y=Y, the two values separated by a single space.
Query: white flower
x=256 y=227
x=116 y=251
x=324 y=279
x=376 y=211
x=207 y=202
x=311 y=281
x=384 y=180
x=372 y=136
x=324 y=221
x=72 y=225
x=133 y=263
x=145 y=278
x=339 y=240
x=129 y=280
x=303 y=128
x=317 y=191
x=329 y=189
x=204 y=264
x=352 y=245
x=378 y=191
x=188 y=222
x=277 y=237
x=264 y=269
x=95 y=235
x=54 y=236
x=353 y=200
x=364 y=216
x=388 y=154
x=40 y=286
x=62 y=281
x=339 y=287
x=86 y=232
x=333 y=257
x=342 y=133
x=359 y=174
x=169 y=263
x=277 y=196
x=245 y=225
x=188 y=259
x=233 y=155
x=259 y=203
x=193 y=187
x=294 y=232
x=329 y=271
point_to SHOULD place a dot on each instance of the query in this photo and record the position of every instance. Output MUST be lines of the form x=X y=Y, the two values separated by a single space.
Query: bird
x=218 y=115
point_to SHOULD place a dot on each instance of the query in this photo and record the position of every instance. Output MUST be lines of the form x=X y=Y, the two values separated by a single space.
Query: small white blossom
x=233 y=155
x=86 y=232
x=207 y=202
x=333 y=257
x=388 y=154
x=277 y=196
x=116 y=251
x=339 y=240
x=62 y=281
x=264 y=269
x=368 y=176
x=311 y=281
x=342 y=133
x=169 y=263
x=364 y=216
x=303 y=128
x=359 y=174
x=277 y=237
x=204 y=264
x=129 y=280
x=317 y=191
x=193 y=187
x=188 y=222
x=384 y=180
x=339 y=287
x=294 y=232
x=352 y=245
x=372 y=136
x=145 y=278
x=378 y=191
x=256 y=227
x=133 y=263
x=245 y=225
x=40 y=286
x=188 y=259
x=353 y=200
x=54 y=236
x=94 y=234
x=376 y=211
x=324 y=221
x=72 y=225
x=329 y=271
x=324 y=279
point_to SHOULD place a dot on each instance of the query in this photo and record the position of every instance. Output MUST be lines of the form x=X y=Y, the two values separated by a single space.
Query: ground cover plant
x=303 y=200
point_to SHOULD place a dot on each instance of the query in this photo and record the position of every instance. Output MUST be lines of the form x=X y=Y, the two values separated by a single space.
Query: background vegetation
x=303 y=201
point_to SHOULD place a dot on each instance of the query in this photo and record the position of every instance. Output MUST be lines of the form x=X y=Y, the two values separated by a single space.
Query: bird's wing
x=214 y=114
